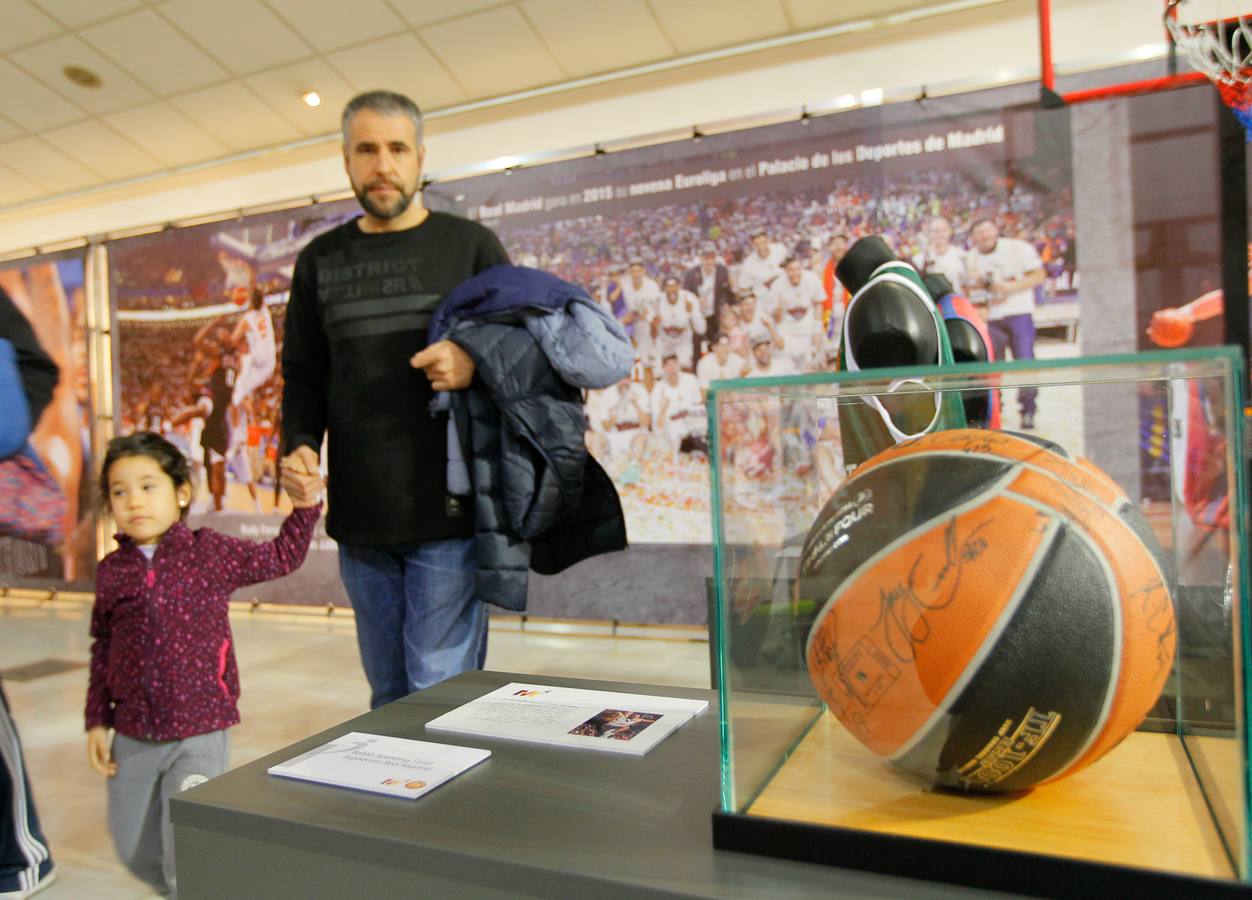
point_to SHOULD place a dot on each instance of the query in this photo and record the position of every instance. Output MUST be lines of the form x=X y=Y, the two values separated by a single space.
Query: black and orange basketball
x=992 y=614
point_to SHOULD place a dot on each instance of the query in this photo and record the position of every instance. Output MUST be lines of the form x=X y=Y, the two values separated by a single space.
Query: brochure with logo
x=383 y=765
x=571 y=717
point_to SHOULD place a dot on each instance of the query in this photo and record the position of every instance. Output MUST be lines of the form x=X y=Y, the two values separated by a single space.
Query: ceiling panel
x=8 y=130
x=243 y=35
x=816 y=13
x=77 y=13
x=427 y=12
x=99 y=147
x=45 y=165
x=154 y=51
x=31 y=105
x=16 y=189
x=117 y=90
x=401 y=63
x=283 y=89
x=328 y=26
x=236 y=116
x=22 y=23
x=493 y=52
x=695 y=25
x=167 y=134
x=565 y=25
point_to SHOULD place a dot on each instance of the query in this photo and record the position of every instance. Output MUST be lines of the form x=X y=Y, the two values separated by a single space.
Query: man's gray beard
x=378 y=212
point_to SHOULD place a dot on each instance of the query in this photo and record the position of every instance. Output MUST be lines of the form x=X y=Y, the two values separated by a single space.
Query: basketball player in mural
x=796 y=306
x=253 y=339
x=676 y=320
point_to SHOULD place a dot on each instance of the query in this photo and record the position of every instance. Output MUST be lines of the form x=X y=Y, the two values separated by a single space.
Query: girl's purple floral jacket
x=163 y=663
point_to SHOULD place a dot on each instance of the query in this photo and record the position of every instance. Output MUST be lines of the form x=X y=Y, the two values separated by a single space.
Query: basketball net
x=1222 y=50
x=239 y=277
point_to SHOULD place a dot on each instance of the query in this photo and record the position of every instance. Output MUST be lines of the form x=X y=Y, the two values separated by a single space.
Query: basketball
x=1170 y=328
x=992 y=614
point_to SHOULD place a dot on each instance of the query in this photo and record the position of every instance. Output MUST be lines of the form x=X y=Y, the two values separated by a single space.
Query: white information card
x=571 y=717
x=383 y=765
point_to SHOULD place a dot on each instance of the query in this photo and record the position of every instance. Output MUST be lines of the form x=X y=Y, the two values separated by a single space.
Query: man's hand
x=448 y=367
x=99 y=754
x=302 y=477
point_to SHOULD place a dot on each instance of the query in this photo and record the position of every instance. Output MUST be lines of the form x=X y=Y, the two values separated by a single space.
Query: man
x=641 y=296
x=1006 y=272
x=676 y=321
x=678 y=408
x=940 y=255
x=618 y=421
x=710 y=281
x=837 y=295
x=761 y=266
x=764 y=361
x=362 y=298
x=720 y=363
x=796 y=301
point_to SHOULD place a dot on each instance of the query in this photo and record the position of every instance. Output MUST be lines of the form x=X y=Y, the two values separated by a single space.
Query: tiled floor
x=300 y=674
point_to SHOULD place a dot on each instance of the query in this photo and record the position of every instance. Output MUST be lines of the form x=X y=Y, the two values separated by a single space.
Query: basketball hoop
x=1222 y=50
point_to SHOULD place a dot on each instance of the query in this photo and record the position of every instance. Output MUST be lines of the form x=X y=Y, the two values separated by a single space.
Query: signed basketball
x=992 y=613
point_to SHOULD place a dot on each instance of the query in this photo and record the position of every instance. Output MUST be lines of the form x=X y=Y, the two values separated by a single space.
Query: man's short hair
x=668 y=356
x=990 y=220
x=789 y=260
x=387 y=103
x=668 y=279
x=756 y=233
x=636 y=261
x=708 y=249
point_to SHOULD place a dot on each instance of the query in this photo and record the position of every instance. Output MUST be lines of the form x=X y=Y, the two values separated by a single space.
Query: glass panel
x=886 y=584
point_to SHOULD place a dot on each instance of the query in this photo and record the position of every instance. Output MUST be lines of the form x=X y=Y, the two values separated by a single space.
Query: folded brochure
x=571 y=717
x=383 y=765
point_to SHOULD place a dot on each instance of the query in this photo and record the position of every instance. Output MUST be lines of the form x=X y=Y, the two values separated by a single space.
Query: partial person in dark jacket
x=27 y=378
x=541 y=500
x=362 y=298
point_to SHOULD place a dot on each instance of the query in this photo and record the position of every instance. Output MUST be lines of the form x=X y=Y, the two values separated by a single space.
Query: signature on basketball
x=1158 y=610
x=903 y=609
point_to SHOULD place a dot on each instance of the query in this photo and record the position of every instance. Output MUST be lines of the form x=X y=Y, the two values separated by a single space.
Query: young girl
x=163 y=672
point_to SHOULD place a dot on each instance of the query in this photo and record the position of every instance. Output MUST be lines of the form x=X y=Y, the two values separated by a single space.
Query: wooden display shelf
x=1139 y=806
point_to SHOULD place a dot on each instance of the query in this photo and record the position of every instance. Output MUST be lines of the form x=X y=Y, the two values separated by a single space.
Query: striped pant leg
x=24 y=856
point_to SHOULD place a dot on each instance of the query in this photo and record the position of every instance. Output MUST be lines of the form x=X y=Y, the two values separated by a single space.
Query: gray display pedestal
x=532 y=821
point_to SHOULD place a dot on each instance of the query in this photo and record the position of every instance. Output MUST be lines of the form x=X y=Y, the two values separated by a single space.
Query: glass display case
x=1007 y=651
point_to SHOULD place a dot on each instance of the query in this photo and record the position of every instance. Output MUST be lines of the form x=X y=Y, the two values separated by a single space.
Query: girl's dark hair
x=153 y=446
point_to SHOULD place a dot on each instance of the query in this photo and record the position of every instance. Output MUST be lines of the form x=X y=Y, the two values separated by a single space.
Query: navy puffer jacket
x=541 y=501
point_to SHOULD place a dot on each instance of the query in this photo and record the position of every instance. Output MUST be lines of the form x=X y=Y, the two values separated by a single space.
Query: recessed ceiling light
x=312 y=98
x=82 y=77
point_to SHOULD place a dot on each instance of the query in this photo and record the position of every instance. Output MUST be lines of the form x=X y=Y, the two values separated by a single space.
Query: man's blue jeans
x=417 y=620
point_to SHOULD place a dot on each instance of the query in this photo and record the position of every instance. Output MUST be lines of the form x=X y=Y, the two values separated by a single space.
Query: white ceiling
x=191 y=81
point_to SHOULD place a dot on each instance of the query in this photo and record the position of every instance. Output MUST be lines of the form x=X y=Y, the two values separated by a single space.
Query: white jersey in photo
x=708 y=369
x=261 y=359
x=641 y=300
x=779 y=364
x=757 y=272
x=684 y=406
x=1011 y=259
x=797 y=311
x=676 y=324
x=950 y=264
